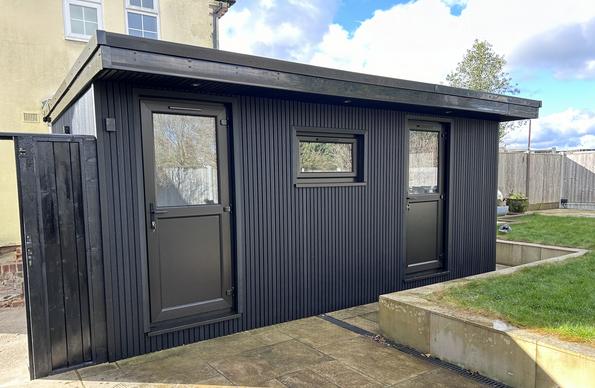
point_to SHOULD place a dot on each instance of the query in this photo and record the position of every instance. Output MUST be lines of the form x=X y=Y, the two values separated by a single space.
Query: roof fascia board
x=163 y=64
x=84 y=69
x=194 y=52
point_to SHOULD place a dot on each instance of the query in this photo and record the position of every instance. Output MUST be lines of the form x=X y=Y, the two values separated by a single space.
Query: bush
x=517 y=202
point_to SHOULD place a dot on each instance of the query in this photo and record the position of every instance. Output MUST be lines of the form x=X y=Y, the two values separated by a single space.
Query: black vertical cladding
x=305 y=251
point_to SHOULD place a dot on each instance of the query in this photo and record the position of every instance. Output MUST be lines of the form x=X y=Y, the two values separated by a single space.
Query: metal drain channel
x=412 y=352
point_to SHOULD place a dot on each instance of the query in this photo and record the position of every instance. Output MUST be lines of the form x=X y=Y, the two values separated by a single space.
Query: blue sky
x=550 y=50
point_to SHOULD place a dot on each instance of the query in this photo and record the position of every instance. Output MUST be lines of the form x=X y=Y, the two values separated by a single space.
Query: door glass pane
x=185 y=160
x=423 y=162
x=326 y=157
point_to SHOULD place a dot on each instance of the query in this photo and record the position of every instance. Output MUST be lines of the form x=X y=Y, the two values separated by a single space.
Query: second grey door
x=425 y=233
x=185 y=150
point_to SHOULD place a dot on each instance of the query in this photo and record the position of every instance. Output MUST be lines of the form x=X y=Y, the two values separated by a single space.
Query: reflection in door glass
x=423 y=162
x=185 y=160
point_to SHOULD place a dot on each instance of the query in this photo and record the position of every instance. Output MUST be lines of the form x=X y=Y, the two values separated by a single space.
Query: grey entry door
x=426 y=196
x=186 y=167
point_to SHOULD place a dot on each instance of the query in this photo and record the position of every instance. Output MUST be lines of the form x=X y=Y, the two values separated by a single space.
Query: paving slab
x=377 y=360
x=305 y=378
x=316 y=332
x=311 y=352
x=342 y=375
x=438 y=378
x=364 y=324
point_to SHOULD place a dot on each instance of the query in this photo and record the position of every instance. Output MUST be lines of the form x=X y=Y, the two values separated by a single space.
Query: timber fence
x=549 y=178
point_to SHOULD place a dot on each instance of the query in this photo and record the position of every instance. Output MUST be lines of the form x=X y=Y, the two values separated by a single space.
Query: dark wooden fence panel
x=64 y=283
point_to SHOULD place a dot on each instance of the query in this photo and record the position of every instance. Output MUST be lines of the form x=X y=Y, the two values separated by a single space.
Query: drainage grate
x=412 y=352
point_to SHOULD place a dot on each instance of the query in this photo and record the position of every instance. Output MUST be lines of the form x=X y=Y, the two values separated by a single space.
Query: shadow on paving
x=307 y=352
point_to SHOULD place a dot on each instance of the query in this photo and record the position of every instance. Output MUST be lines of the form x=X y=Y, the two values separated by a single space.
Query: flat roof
x=109 y=52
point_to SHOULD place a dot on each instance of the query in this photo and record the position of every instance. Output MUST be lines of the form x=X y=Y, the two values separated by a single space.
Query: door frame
x=447 y=124
x=234 y=157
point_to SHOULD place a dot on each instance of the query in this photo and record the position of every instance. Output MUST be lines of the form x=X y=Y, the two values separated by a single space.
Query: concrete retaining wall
x=514 y=356
x=513 y=253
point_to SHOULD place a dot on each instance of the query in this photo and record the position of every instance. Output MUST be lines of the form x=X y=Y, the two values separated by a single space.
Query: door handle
x=152 y=216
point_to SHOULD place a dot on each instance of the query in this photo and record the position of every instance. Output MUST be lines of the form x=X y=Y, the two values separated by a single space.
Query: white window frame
x=68 y=34
x=143 y=11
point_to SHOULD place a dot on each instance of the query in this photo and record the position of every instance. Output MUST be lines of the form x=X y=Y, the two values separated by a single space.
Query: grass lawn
x=556 y=298
x=577 y=232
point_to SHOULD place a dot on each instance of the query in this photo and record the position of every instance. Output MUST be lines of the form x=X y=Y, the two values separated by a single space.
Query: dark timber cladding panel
x=59 y=205
x=306 y=250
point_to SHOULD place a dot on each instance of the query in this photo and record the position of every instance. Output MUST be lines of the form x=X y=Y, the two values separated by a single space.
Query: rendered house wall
x=36 y=56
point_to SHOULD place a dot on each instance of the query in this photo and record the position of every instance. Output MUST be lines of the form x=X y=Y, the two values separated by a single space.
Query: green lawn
x=554 y=298
x=576 y=232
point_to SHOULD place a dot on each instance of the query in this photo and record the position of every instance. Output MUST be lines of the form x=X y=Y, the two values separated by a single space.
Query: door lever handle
x=152 y=213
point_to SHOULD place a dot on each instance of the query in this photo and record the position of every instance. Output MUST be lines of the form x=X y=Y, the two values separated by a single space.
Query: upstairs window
x=329 y=157
x=82 y=18
x=142 y=18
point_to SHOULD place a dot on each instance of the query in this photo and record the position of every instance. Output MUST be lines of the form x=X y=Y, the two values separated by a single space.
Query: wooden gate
x=61 y=238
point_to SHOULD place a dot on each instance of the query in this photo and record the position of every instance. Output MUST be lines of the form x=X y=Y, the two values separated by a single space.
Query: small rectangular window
x=82 y=18
x=329 y=157
x=142 y=18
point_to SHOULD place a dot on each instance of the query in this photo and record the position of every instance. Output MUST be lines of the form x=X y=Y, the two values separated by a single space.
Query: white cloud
x=587 y=141
x=572 y=128
x=421 y=40
x=285 y=29
x=453 y=3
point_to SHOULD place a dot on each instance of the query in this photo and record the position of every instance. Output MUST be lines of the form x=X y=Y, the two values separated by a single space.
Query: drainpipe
x=219 y=9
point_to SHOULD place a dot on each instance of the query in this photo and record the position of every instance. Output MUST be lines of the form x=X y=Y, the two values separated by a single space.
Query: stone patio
x=309 y=352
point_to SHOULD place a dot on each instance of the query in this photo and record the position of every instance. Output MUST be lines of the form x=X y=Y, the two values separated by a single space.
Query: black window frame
x=356 y=137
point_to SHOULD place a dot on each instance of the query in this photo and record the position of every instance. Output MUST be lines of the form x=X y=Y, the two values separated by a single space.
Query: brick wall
x=11 y=277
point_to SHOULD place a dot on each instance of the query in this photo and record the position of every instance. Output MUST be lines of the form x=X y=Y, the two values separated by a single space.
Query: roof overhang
x=110 y=52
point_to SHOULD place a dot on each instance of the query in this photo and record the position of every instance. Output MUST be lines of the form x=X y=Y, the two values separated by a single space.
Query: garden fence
x=549 y=177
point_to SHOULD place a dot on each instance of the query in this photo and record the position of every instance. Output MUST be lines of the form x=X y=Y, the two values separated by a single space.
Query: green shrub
x=517 y=202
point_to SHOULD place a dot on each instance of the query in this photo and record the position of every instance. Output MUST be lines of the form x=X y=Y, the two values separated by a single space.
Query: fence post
x=528 y=175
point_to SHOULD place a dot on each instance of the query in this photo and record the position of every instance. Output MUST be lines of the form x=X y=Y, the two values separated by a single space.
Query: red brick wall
x=11 y=277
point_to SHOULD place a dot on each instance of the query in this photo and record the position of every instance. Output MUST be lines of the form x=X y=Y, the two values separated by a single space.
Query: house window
x=329 y=157
x=82 y=18
x=142 y=18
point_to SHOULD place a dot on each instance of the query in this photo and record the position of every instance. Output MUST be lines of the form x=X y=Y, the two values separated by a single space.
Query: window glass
x=423 y=162
x=148 y=4
x=319 y=156
x=149 y=24
x=77 y=27
x=83 y=20
x=142 y=25
x=185 y=160
x=151 y=35
x=76 y=12
x=135 y=21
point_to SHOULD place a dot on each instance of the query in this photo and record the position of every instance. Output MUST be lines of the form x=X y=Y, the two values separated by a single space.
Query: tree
x=483 y=69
